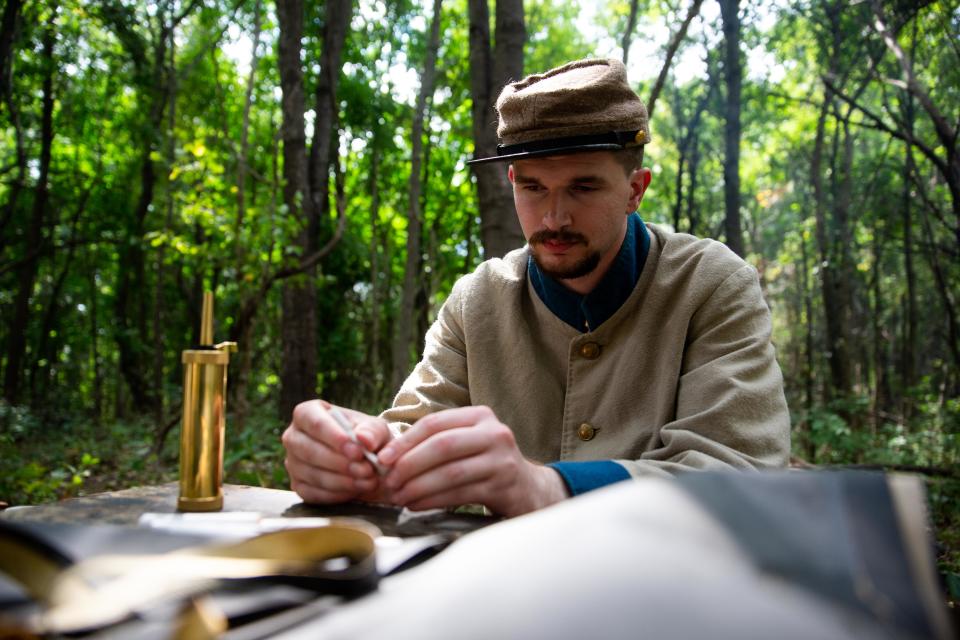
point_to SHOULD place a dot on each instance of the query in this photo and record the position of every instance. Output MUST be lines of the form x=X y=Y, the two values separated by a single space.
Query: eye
x=583 y=188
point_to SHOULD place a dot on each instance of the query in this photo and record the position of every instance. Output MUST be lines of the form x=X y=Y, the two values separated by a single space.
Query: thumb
x=373 y=433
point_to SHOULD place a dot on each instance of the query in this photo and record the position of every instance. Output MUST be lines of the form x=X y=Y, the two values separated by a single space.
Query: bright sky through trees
x=646 y=52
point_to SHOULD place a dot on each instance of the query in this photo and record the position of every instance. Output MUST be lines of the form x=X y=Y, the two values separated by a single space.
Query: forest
x=306 y=163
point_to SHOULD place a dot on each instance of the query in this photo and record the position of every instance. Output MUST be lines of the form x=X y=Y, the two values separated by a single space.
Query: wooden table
x=125 y=508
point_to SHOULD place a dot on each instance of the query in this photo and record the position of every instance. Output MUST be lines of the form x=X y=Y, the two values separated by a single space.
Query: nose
x=556 y=216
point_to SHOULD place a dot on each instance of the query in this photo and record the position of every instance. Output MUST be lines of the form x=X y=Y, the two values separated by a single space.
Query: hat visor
x=556 y=151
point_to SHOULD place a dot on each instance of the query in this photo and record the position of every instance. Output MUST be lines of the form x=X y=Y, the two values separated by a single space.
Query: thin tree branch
x=933 y=208
x=883 y=126
x=947 y=135
x=671 y=52
x=186 y=11
x=628 y=32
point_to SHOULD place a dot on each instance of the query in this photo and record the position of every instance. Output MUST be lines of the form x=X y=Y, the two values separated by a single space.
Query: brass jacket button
x=586 y=431
x=590 y=350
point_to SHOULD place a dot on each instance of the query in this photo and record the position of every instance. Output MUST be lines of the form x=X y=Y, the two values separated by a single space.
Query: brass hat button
x=590 y=350
x=586 y=431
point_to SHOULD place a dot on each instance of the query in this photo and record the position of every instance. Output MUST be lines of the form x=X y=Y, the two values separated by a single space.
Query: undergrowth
x=42 y=461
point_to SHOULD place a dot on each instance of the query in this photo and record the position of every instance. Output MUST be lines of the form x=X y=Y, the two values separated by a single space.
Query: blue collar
x=587 y=312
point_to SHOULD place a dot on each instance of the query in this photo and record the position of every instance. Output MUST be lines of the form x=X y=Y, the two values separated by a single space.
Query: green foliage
x=253 y=453
x=62 y=456
x=39 y=464
x=845 y=431
x=838 y=435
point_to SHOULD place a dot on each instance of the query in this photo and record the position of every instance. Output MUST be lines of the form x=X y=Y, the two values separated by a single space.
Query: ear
x=510 y=173
x=639 y=181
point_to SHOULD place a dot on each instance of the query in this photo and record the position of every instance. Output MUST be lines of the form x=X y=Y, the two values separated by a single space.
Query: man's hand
x=466 y=455
x=324 y=464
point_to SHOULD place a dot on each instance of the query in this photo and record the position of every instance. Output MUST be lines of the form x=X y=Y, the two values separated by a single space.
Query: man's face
x=573 y=212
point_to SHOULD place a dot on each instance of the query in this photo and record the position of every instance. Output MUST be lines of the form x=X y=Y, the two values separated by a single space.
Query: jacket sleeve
x=730 y=406
x=439 y=381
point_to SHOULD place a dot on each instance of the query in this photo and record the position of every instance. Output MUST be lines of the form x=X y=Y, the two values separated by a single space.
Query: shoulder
x=691 y=270
x=495 y=277
x=682 y=252
x=493 y=287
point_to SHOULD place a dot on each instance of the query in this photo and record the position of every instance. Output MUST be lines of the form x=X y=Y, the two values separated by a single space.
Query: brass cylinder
x=202 y=435
x=204 y=418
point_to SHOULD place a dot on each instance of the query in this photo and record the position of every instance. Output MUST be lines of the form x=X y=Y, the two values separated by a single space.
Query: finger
x=469 y=479
x=439 y=449
x=319 y=495
x=314 y=419
x=312 y=452
x=446 y=499
x=332 y=425
x=429 y=425
x=361 y=444
x=331 y=481
x=373 y=433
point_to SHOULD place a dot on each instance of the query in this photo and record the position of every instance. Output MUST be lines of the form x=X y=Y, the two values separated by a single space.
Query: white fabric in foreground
x=634 y=560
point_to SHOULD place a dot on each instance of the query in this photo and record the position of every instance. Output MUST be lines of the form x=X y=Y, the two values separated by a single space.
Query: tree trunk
x=47 y=348
x=298 y=332
x=733 y=71
x=9 y=26
x=306 y=189
x=160 y=261
x=489 y=73
x=376 y=376
x=95 y=345
x=403 y=338
x=841 y=241
x=688 y=153
x=9 y=31
x=153 y=79
x=908 y=345
x=628 y=32
x=881 y=381
x=693 y=212
x=128 y=308
x=242 y=165
x=808 y=364
x=27 y=273
x=240 y=376
x=949 y=303
x=338 y=13
x=832 y=307
x=324 y=150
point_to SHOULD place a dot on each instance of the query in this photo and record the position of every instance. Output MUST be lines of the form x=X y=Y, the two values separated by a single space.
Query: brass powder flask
x=204 y=418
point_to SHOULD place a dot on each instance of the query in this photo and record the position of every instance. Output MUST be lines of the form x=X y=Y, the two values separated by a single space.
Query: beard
x=578 y=269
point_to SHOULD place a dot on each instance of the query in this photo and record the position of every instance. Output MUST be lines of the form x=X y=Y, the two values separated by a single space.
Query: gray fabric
x=634 y=560
x=834 y=533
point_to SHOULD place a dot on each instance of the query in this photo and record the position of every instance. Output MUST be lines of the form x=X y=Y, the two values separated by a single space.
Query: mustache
x=567 y=237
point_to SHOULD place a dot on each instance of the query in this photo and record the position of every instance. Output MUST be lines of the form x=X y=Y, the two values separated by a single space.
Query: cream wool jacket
x=682 y=376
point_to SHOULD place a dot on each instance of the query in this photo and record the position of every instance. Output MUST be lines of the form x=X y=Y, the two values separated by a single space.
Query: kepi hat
x=582 y=106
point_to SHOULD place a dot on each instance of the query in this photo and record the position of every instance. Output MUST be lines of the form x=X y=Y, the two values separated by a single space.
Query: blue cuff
x=586 y=476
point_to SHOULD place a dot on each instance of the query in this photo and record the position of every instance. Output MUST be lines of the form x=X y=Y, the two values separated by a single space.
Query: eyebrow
x=585 y=179
x=524 y=179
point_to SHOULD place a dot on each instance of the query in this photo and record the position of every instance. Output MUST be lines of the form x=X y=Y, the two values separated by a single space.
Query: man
x=605 y=349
